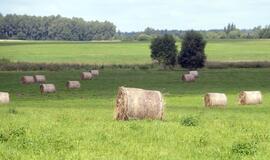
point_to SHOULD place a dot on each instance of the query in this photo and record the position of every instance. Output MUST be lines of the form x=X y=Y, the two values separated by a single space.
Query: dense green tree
x=14 y=26
x=192 y=54
x=164 y=50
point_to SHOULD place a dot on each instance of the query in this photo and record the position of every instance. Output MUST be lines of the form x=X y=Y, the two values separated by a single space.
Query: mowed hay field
x=79 y=124
x=124 y=52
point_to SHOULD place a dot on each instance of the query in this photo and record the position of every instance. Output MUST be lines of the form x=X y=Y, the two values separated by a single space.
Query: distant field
x=78 y=124
x=124 y=52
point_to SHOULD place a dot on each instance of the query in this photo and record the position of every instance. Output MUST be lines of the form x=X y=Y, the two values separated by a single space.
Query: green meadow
x=124 y=52
x=78 y=124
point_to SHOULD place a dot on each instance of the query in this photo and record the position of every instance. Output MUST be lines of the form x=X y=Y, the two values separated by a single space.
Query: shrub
x=163 y=49
x=192 y=54
x=246 y=148
x=190 y=121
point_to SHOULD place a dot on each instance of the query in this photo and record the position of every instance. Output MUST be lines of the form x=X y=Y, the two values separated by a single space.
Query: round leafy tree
x=192 y=54
x=164 y=50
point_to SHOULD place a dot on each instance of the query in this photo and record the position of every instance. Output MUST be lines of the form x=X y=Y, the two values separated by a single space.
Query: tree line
x=26 y=27
x=229 y=32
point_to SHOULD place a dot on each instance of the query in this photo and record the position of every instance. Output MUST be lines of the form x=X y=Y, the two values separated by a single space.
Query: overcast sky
x=136 y=15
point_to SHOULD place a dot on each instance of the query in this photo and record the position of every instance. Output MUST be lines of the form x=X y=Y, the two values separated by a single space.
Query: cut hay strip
x=27 y=80
x=95 y=72
x=250 y=97
x=194 y=73
x=188 y=78
x=40 y=78
x=215 y=99
x=47 y=88
x=4 y=97
x=133 y=103
x=73 y=84
x=86 y=76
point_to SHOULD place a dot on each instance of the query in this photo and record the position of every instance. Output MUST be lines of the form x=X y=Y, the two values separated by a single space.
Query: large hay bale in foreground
x=73 y=84
x=215 y=99
x=27 y=80
x=188 y=78
x=47 y=88
x=86 y=76
x=4 y=97
x=194 y=73
x=133 y=103
x=250 y=97
x=94 y=72
x=40 y=78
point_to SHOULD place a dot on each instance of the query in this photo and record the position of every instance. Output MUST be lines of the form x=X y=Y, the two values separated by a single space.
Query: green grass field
x=124 y=52
x=78 y=124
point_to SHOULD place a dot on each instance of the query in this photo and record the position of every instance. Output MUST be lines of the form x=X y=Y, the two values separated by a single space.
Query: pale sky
x=136 y=15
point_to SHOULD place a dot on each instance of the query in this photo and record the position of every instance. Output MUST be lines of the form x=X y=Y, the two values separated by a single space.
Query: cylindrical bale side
x=86 y=76
x=215 y=99
x=95 y=72
x=73 y=84
x=194 y=73
x=188 y=78
x=133 y=103
x=27 y=80
x=4 y=97
x=40 y=78
x=250 y=97
x=47 y=88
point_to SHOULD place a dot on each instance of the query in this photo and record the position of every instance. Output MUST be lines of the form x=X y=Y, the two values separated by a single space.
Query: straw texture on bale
x=188 y=78
x=4 y=97
x=215 y=99
x=194 y=73
x=134 y=103
x=86 y=76
x=73 y=84
x=40 y=78
x=27 y=80
x=47 y=88
x=250 y=97
x=95 y=72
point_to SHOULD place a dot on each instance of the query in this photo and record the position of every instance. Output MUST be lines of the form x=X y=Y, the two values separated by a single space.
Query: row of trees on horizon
x=26 y=27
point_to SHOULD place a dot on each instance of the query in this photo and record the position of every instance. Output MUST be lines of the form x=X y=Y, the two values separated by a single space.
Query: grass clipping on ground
x=134 y=103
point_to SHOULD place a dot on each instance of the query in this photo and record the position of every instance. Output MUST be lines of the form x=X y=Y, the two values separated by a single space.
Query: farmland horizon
x=137 y=15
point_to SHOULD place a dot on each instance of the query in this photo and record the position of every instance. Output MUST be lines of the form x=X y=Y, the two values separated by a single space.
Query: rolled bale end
x=250 y=97
x=94 y=72
x=73 y=85
x=86 y=76
x=27 y=80
x=188 y=78
x=47 y=88
x=4 y=98
x=40 y=78
x=133 y=103
x=215 y=100
x=194 y=73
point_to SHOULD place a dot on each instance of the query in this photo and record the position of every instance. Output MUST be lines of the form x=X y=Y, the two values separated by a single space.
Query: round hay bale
x=188 y=78
x=73 y=84
x=250 y=97
x=27 y=80
x=4 y=97
x=133 y=103
x=95 y=72
x=47 y=88
x=40 y=78
x=215 y=99
x=86 y=76
x=194 y=73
